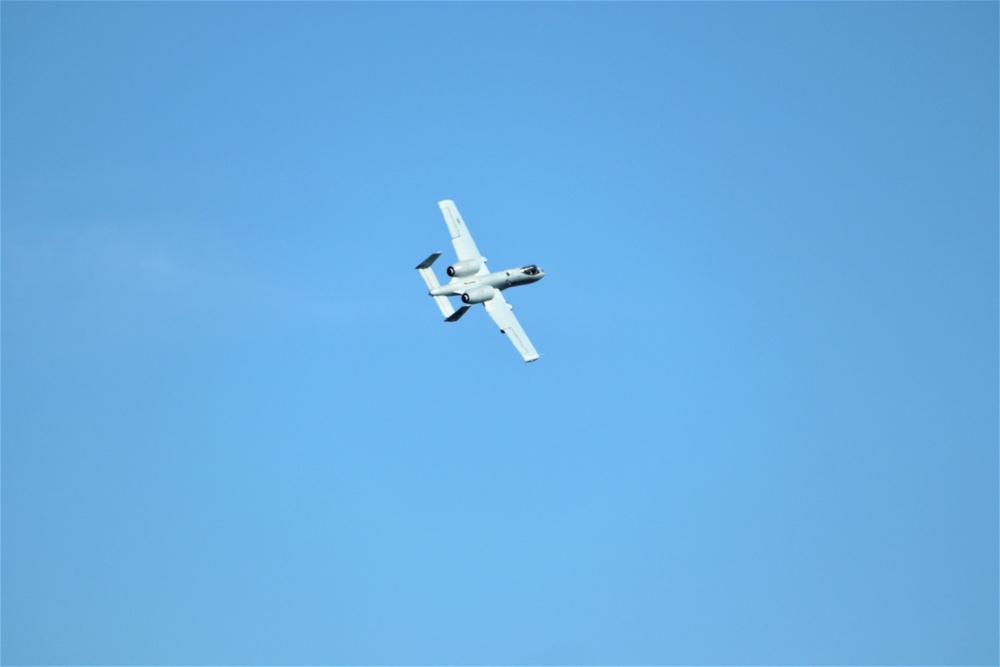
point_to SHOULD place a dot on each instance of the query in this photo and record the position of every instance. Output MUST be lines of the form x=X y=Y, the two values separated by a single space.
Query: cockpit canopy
x=531 y=270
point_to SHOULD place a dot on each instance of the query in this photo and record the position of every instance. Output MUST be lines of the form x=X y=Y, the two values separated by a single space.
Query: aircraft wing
x=465 y=247
x=503 y=314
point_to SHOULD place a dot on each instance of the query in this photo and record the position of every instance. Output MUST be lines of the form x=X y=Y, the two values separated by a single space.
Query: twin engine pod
x=479 y=295
x=470 y=267
x=465 y=268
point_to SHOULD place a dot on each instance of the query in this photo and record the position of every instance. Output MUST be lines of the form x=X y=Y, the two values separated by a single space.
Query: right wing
x=465 y=247
x=503 y=314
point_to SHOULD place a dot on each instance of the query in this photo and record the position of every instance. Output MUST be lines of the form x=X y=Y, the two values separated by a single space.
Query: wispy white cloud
x=125 y=281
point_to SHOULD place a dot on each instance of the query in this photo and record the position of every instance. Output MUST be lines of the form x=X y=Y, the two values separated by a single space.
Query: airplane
x=474 y=283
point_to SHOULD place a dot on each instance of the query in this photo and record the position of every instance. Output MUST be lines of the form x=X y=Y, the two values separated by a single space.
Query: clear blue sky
x=765 y=428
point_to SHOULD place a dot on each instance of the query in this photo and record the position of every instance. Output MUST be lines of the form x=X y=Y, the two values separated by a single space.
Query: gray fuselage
x=500 y=280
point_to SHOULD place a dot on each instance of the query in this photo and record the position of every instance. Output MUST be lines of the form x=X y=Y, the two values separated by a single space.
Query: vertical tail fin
x=427 y=273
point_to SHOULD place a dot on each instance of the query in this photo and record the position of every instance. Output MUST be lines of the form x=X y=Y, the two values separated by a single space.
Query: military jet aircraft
x=474 y=283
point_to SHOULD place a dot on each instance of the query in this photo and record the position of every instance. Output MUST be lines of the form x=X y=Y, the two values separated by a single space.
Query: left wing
x=503 y=314
x=465 y=247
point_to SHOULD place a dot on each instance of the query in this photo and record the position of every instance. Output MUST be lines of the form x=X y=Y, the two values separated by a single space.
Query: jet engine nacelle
x=464 y=268
x=479 y=295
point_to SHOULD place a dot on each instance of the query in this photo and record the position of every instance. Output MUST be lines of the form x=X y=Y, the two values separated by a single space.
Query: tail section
x=427 y=273
x=426 y=264
x=458 y=313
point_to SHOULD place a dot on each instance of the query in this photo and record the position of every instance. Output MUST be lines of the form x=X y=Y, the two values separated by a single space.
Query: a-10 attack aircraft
x=473 y=282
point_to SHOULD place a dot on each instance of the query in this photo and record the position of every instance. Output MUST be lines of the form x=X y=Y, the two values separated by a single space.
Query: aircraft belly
x=483 y=286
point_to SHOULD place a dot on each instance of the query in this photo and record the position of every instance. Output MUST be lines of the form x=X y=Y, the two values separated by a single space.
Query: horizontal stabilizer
x=445 y=305
x=427 y=273
x=454 y=317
